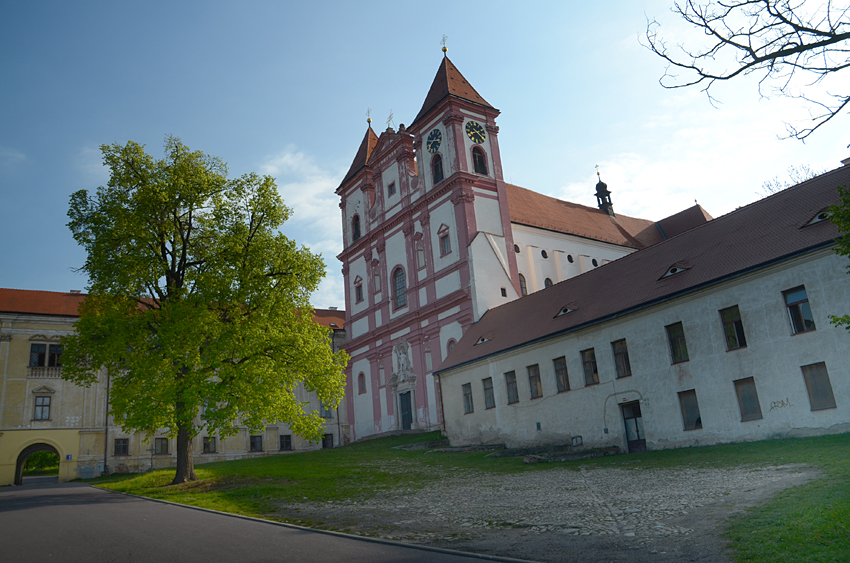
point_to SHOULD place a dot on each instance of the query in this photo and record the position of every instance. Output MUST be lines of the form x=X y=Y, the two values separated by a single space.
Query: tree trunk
x=185 y=450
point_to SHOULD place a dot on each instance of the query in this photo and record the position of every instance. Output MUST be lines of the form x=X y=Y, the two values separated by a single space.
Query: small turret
x=603 y=196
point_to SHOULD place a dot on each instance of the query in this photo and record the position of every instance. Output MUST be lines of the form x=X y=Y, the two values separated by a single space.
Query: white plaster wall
x=489 y=273
x=449 y=331
x=443 y=214
x=354 y=205
x=556 y=267
x=773 y=357
x=487 y=215
x=358 y=267
x=447 y=284
x=359 y=327
x=389 y=176
x=363 y=412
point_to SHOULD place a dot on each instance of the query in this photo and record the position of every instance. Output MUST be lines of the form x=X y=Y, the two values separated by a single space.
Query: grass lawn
x=808 y=523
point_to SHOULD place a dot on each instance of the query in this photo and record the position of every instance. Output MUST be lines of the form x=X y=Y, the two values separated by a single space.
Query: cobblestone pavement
x=565 y=515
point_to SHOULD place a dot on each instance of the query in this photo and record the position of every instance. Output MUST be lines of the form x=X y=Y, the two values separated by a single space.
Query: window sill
x=735 y=349
x=207 y=453
x=803 y=332
x=535 y=398
x=489 y=408
x=564 y=391
x=824 y=408
x=693 y=429
x=752 y=418
x=624 y=376
x=514 y=403
x=42 y=420
x=680 y=362
x=591 y=384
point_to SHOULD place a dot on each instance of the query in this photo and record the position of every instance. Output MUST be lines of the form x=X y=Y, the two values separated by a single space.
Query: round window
x=570 y=258
x=544 y=254
x=516 y=248
x=594 y=262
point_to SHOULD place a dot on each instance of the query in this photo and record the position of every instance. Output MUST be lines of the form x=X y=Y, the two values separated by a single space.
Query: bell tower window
x=479 y=161
x=355 y=228
x=399 y=283
x=437 y=168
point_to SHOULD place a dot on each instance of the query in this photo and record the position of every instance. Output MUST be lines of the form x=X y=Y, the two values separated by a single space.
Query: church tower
x=428 y=249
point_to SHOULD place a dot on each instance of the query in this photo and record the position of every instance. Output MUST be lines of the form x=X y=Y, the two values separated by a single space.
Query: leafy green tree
x=840 y=216
x=198 y=306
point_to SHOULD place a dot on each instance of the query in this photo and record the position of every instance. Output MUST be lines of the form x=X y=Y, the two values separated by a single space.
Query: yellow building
x=40 y=411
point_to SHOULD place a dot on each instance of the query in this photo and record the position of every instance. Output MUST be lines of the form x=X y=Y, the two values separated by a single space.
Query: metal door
x=635 y=437
x=406 y=412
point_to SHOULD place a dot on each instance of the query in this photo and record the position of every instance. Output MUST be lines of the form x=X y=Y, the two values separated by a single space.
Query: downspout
x=106 y=427
x=442 y=413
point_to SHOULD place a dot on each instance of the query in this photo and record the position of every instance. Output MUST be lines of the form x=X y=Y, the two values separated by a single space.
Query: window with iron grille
x=588 y=361
x=467 y=398
x=523 y=287
x=399 y=283
x=160 y=445
x=286 y=442
x=256 y=443
x=361 y=384
x=44 y=355
x=733 y=328
x=122 y=446
x=748 y=399
x=818 y=386
x=358 y=293
x=797 y=303
x=678 y=346
x=621 y=358
x=209 y=445
x=690 y=410
x=510 y=383
x=445 y=245
x=42 y=408
x=327 y=441
x=561 y=378
x=534 y=381
x=355 y=228
x=489 y=397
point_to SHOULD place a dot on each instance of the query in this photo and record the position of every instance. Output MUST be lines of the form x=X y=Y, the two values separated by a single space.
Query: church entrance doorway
x=635 y=437
x=29 y=451
x=406 y=411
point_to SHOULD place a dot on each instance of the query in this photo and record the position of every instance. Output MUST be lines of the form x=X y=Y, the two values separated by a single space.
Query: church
x=434 y=238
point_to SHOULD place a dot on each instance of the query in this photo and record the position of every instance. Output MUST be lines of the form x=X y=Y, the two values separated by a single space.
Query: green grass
x=808 y=523
x=37 y=471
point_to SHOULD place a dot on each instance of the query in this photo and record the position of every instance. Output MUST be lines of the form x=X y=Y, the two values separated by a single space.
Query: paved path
x=69 y=523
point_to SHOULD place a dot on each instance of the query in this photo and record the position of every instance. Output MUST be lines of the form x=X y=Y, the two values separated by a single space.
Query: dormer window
x=822 y=216
x=565 y=310
x=479 y=161
x=486 y=338
x=676 y=268
x=437 y=168
x=355 y=228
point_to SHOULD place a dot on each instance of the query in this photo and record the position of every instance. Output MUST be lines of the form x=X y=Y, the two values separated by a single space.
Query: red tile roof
x=449 y=82
x=684 y=221
x=26 y=301
x=40 y=302
x=361 y=159
x=762 y=233
x=537 y=210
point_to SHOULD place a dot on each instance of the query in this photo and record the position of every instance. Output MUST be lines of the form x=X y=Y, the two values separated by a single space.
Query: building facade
x=434 y=237
x=720 y=334
x=40 y=411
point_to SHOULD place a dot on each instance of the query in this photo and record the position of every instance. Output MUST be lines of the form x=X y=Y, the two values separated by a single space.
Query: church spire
x=361 y=159
x=449 y=82
x=603 y=196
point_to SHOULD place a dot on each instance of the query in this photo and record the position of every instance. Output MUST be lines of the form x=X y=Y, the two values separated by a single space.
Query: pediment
x=43 y=338
x=43 y=390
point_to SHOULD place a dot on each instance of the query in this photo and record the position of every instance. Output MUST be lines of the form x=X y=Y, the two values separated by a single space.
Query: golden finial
x=443 y=43
x=597 y=172
x=369 y=116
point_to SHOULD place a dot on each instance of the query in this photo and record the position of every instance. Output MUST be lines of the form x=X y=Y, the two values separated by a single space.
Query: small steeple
x=603 y=196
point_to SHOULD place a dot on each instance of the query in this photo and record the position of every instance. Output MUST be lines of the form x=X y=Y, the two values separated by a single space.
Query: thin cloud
x=11 y=158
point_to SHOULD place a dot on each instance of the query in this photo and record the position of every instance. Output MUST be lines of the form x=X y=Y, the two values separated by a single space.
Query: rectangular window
x=445 y=245
x=467 y=398
x=256 y=443
x=489 y=397
x=588 y=361
x=286 y=442
x=510 y=383
x=326 y=411
x=690 y=410
x=38 y=355
x=797 y=303
x=160 y=445
x=391 y=189
x=54 y=356
x=818 y=386
x=122 y=446
x=534 y=381
x=209 y=445
x=748 y=399
x=678 y=346
x=621 y=358
x=358 y=293
x=327 y=441
x=561 y=377
x=733 y=328
x=42 y=408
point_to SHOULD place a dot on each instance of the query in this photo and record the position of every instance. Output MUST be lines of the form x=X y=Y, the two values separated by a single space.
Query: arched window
x=479 y=161
x=547 y=282
x=450 y=345
x=522 y=287
x=399 y=295
x=355 y=228
x=437 y=168
x=376 y=276
x=361 y=384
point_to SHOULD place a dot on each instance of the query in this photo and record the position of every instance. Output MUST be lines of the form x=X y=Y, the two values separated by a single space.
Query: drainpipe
x=442 y=413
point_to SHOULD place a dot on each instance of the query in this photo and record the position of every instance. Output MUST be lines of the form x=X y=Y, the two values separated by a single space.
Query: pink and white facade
x=429 y=248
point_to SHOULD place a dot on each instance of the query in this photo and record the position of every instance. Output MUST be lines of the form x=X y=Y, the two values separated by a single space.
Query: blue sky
x=282 y=88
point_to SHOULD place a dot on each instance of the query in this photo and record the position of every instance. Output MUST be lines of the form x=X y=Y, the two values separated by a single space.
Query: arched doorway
x=19 y=467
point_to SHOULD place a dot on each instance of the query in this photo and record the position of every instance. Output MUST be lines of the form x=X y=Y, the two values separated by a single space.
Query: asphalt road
x=70 y=523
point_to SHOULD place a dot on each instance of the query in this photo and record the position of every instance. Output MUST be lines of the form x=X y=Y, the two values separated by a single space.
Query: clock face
x=433 y=143
x=475 y=132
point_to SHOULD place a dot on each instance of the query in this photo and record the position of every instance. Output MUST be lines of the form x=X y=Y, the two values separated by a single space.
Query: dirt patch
x=591 y=515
